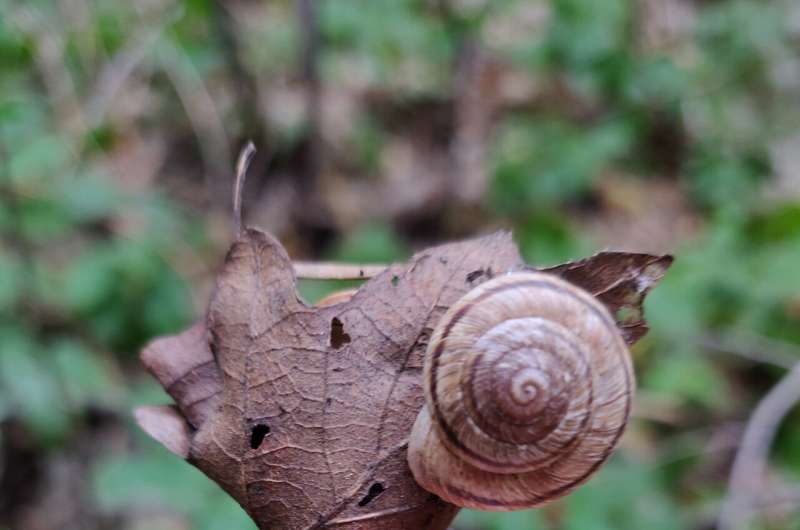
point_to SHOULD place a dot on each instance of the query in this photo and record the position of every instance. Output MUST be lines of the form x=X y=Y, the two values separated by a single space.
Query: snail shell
x=528 y=385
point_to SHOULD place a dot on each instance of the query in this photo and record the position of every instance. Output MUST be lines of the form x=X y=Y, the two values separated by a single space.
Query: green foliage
x=29 y=388
x=156 y=479
x=548 y=238
x=544 y=163
x=625 y=495
x=523 y=520
x=372 y=243
x=689 y=378
x=93 y=266
x=411 y=43
x=85 y=260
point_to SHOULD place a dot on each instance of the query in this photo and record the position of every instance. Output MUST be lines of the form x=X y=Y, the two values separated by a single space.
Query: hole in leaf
x=338 y=337
x=374 y=490
x=258 y=434
x=474 y=275
x=627 y=315
x=395 y=281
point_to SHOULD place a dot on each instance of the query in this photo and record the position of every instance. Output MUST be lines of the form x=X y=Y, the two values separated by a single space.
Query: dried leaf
x=621 y=281
x=316 y=403
x=185 y=367
x=167 y=426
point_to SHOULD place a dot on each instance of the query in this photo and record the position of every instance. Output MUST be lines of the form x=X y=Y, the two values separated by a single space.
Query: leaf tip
x=655 y=271
x=165 y=424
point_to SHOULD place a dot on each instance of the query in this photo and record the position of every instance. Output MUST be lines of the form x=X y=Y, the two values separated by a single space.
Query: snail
x=528 y=386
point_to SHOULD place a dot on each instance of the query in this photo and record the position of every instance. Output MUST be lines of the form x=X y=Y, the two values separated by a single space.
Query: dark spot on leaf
x=395 y=281
x=328 y=401
x=474 y=275
x=374 y=490
x=338 y=337
x=260 y=488
x=260 y=431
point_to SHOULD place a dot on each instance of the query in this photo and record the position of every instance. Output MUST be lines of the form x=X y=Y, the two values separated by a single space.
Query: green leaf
x=545 y=163
x=688 y=376
x=384 y=50
x=585 y=33
x=315 y=290
x=39 y=160
x=521 y=520
x=154 y=477
x=84 y=376
x=90 y=280
x=547 y=238
x=167 y=307
x=42 y=219
x=87 y=199
x=624 y=495
x=12 y=281
x=371 y=243
x=28 y=388
x=723 y=179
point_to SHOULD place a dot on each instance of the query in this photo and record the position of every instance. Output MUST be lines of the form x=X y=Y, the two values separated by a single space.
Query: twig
x=245 y=157
x=754 y=348
x=201 y=109
x=247 y=108
x=308 y=17
x=750 y=463
x=312 y=163
x=336 y=271
x=474 y=102
x=48 y=54
x=118 y=70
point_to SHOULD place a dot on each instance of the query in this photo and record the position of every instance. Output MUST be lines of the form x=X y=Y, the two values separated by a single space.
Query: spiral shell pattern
x=528 y=385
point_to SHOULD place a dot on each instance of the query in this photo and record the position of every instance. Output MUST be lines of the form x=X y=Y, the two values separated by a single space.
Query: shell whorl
x=528 y=386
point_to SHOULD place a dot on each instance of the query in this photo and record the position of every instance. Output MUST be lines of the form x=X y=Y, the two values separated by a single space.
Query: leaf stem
x=245 y=157
x=336 y=271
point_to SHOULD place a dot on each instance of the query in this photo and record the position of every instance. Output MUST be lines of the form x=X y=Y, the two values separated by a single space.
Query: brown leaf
x=185 y=367
x=621 y=281
x=316 y=403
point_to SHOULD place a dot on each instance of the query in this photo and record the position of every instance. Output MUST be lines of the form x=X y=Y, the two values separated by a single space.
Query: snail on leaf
x=528 y=387
x=460 y=378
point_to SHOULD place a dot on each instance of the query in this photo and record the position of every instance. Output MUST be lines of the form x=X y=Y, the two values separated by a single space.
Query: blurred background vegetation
x=385 y=126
